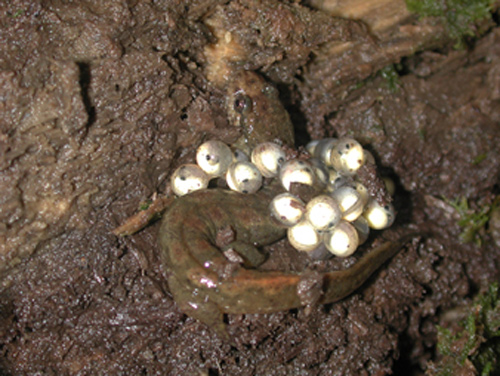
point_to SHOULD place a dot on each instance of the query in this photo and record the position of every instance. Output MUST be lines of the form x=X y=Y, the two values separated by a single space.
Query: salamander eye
x=242 y=103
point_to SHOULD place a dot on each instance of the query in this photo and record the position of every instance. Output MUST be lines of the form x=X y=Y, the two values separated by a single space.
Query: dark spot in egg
x=307 y=170
x=244 y=191
x=207 y=157
x=182 y=177
x=245 y=180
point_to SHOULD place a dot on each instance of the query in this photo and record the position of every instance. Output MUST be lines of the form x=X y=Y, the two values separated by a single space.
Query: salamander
x=205 y=281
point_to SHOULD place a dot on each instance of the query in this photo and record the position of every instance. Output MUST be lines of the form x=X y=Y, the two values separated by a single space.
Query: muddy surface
x=99 y=102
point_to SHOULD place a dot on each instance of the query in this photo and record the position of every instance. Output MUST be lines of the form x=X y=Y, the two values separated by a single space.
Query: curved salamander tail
x=339 y=284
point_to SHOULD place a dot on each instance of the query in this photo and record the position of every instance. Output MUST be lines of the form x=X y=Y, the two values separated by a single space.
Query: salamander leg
x=252 y=256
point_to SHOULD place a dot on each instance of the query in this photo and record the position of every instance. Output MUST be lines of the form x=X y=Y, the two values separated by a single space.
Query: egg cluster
x=216 y=160
x=339 y=219
x=334 y=222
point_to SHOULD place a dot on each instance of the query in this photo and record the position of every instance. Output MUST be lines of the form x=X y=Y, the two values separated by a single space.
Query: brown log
x=337 y=67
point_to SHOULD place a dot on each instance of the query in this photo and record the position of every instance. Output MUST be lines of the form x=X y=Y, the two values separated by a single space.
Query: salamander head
x=254 y=106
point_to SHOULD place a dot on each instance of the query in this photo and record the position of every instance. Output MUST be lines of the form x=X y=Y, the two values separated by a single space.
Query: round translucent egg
x=188 y=178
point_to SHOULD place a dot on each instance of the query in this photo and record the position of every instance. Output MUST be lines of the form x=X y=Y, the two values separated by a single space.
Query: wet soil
x=99 y=102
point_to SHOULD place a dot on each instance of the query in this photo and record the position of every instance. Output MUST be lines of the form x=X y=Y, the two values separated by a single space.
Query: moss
x=475 y=346
x=458 y=16
x=421 y=134
x=16 y=14
x=391 y=76
x=479 y=158
x=473 y=221
x=144 y=205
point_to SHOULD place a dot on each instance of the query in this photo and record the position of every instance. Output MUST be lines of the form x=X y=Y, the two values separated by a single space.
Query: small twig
x=141 y=219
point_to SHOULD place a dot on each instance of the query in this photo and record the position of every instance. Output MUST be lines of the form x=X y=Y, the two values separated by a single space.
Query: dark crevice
x=213 y=372
x=495 y=16
x=4 y=372
x=84 y=81
x=297 y=117
x=405 y=365
x=404 y=67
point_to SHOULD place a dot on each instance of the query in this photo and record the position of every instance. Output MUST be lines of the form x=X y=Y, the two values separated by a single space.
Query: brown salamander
x=204 y=282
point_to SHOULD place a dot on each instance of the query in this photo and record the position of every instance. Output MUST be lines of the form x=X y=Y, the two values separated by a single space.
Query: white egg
x=323 y=150
x=188 y=178
x=244 y=177
x=320 y=170
x=363 y=229
x=390 y=186
x=323 y=212
x=349 y=201
x=342 y=240
x=296 y=171
x=311 y=146
x=303 y=236
x=347 y=156
x=379 y=217
x=268 y=157
x=336 y=180
x=214 y=157
x=363 y=192
x=287 y=209
x=369 y=158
